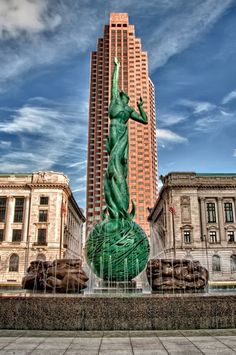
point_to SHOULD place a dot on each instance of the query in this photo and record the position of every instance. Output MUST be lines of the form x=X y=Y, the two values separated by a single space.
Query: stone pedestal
x=117 y=287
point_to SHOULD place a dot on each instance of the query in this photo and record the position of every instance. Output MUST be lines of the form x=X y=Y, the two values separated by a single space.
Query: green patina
x=117 y=248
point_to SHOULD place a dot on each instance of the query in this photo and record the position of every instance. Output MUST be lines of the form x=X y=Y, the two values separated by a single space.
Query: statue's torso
x=118 y=111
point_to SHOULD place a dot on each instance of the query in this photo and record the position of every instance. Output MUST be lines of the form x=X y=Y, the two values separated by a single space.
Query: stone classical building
x=195 y=217
x=39 y=219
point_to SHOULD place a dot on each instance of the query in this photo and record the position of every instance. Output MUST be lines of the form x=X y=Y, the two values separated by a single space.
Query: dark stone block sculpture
x=63 y=275
x=176 y=275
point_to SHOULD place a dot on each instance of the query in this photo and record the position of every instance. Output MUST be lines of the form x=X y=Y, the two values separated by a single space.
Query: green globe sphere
x=117 y=250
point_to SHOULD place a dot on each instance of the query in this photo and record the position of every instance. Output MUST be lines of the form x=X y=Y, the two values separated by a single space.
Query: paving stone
x=228 y=340
x=115 y=344
x=53 y=346
x=48 y=352
x=15 y=352
x=82 y=352
x=219 y=352
x=17 y=346
x=152 y=343
x=149 y=352
x=116 y=352
x=83 y=344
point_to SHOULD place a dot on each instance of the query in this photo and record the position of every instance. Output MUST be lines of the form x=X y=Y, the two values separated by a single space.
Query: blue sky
x=44 y=82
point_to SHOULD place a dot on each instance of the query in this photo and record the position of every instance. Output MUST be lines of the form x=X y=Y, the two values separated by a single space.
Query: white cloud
x=229 y=97
x=32 y=120
x=170 y=119
x=40 y=41
x=81 y=179
x=46 y=136
x=78 y=164
x=184 y=28
x=198 y=106
x=234 y=153
x=167 y=136
x=5 y=144
x=13 y=167
x=80 y=189
x=25 y=16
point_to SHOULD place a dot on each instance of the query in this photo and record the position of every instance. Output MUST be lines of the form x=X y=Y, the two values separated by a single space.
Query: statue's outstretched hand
x=140 y=103
x=116 y=61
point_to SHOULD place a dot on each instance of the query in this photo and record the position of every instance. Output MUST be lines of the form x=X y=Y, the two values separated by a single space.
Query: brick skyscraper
x=120 y=41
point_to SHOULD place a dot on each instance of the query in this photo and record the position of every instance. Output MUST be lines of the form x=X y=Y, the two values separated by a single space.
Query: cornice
x=35 y=186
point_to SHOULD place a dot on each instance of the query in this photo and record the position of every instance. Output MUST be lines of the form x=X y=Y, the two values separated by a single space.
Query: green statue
x=115 y=184
x=117 y=248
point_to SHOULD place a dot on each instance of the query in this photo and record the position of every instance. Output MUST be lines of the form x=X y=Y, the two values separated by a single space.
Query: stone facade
x=195 y=218
x=39 y=219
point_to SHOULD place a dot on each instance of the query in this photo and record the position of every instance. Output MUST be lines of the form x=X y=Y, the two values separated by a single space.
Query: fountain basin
x=117 y=312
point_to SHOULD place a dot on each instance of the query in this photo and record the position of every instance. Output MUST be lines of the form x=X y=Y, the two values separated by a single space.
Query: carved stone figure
x=177 y=274
x=63 y=275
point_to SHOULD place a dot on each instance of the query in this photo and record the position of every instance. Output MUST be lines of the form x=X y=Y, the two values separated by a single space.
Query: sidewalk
x=222 y=341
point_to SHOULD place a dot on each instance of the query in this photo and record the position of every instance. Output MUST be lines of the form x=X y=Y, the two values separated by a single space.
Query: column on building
x=221 y=219
x=203 y=217
x=26 y=218
x=9 y=218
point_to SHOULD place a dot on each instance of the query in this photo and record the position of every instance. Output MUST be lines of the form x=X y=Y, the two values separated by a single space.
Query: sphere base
x=117 y=250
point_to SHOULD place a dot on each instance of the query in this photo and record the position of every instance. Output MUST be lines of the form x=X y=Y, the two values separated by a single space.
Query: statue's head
x=124 y=97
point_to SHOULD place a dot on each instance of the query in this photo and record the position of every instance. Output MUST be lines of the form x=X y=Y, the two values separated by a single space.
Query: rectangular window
x=43 y=200
x=211 y=213
x=19 y=209
x=187 y=237
x=230 y=235
x=43 y=216
x=16 y=235
x=213 y=237
x=3 y=202
x=228 y=207
x=1 y=235
x=42 y=236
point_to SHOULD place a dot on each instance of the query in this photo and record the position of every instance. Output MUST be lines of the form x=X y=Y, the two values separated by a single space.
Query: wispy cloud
x=206 y=116
x=198 y=106
x=5 y=144
x=229 y=97
x=171 y=119
x=25 y=17
x=167 y=136
x=80 y=189
x=44 y=137
x=44 y=32
x=234 y=153
x=177 y=33
x=78 y=164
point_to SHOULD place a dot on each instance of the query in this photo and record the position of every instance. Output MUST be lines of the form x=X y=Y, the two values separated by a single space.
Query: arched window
x=41 y=257
x=14 y=263
x=233 y=263
x=216 y=263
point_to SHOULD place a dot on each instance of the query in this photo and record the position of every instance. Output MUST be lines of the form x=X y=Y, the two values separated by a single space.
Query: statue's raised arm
x=115 y=79
x=140 y=117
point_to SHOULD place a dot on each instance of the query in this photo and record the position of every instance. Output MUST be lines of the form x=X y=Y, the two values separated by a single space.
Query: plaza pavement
x=222 y=341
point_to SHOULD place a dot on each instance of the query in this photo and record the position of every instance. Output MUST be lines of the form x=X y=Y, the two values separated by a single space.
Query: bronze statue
x=115 y=185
